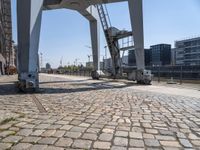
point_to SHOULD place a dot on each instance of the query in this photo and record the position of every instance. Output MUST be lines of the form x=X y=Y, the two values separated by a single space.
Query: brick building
x=5 y=34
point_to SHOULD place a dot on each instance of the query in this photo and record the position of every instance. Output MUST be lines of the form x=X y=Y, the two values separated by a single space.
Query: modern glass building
x=132 y=60
x=160 y=55
x=5 y=34
x=188 y=52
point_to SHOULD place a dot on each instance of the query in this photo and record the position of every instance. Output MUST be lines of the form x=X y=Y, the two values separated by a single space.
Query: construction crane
x=113 y=36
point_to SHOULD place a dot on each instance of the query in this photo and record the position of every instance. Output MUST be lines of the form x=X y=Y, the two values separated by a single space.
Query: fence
x=78 y=73
x=181 y=73
x=178 y=73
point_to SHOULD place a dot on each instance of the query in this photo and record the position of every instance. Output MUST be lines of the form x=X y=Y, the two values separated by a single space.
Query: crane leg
x=136 y=13
x=29 y=15
x=94 y=30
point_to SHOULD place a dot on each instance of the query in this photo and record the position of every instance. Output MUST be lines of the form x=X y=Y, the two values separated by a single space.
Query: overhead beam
x=94 y=2
x=56 y=4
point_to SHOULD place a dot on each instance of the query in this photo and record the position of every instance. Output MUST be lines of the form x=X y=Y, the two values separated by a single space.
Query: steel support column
x=91 y=14
x=136 y=15
x=29 y=15
x=94 y=31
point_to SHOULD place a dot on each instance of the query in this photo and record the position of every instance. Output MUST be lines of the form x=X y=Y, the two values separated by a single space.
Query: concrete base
x=2 y=65
x=28 y=82
x=95 y=75
x=141 y=76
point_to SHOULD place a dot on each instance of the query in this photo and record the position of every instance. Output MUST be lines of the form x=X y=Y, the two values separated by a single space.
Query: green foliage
x=7 y=120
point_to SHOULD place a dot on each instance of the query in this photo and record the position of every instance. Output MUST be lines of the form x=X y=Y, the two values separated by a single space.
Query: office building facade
x=161 y=55
x=188 y=52
x=132 y=59
x=173 y=57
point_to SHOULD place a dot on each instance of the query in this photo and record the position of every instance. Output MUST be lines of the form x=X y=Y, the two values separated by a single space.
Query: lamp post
x=88 y=46
x=89 y=56
x=105 y=51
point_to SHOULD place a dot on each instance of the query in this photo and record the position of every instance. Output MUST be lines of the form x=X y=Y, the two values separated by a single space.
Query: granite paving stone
x=102 y=145
x=48 y=140
x=38 y=147
x=31 y=139
x=119 y=141
x=106 y=114
x=83 y=144
x=12 y=139
x=21 y=146
x=89 y=136
x=64 y=142
x=5 y=146
x=136 y=143
x=106 y=137
x=152 y=142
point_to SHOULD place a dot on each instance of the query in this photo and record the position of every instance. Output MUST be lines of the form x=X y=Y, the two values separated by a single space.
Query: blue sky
x=65 y=33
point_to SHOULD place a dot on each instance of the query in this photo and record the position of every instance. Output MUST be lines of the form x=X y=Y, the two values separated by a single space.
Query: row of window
x=192 y=57
x=192 y=50
x=192 y=43
x=181 y=44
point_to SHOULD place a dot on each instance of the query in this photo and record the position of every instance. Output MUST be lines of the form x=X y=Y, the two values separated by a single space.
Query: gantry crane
x=29 y=16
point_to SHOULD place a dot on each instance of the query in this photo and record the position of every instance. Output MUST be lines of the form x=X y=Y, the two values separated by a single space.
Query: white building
x=188 y=51
x=108 y=63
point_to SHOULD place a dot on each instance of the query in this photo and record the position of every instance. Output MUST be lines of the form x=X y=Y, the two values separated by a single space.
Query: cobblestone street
x=79 y=113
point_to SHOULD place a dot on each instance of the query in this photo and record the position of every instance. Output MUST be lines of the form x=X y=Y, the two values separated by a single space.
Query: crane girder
x=75 y=4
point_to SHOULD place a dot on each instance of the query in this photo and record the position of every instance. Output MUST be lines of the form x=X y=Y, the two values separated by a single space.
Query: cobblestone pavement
x=78 y=113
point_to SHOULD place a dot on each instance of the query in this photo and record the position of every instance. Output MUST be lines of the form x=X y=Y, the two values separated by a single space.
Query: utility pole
x=88 y=46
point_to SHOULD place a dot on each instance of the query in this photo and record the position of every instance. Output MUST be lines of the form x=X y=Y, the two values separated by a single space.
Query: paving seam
x=39 y=105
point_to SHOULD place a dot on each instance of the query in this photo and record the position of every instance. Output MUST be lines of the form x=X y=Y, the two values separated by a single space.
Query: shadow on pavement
x=70 y=81
x=75 y=90
x=11 y=88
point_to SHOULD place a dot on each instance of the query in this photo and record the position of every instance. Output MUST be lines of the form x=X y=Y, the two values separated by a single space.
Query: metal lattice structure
x=117 y=40
x=5 y=33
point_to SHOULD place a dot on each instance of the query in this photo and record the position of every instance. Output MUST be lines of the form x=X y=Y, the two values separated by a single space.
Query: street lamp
x=105 y=51
x=89 y=56
x=88 y=46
